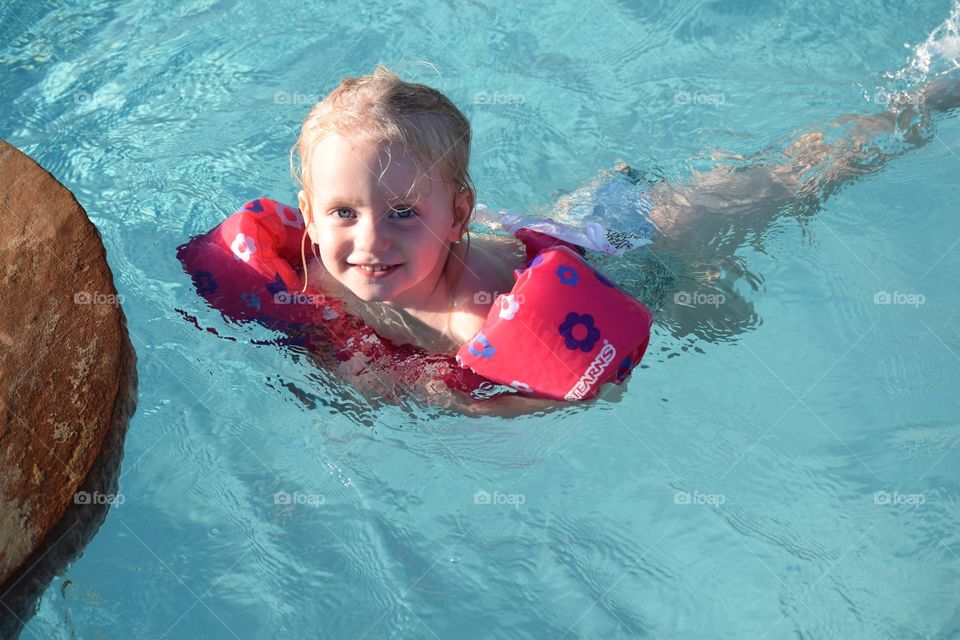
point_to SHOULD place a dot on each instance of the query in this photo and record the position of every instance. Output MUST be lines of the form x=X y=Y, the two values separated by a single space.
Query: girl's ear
x=462 y=206
x=304 y=205
x=307 y=214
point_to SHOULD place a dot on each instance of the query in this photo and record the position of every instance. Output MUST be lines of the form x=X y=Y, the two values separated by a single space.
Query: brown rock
x=67 y=368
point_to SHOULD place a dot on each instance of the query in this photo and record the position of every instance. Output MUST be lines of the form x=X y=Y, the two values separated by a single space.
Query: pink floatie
x=562 y=332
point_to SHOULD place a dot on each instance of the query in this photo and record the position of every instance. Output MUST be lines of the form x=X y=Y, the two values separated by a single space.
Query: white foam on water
x=936 y=56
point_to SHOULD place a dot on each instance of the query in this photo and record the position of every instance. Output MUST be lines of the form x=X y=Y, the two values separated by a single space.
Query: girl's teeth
x=366 y=268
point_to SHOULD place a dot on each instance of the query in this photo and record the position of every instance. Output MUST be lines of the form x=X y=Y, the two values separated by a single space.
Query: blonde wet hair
x=383 y=108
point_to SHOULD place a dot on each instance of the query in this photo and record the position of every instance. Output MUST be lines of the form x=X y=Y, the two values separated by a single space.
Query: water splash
x=935 y=57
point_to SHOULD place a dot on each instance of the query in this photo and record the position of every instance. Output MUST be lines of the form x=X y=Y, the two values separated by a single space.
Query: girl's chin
x=371 y=296
x=370 y=291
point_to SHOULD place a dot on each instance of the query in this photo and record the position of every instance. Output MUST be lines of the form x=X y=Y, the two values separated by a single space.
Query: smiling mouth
x=374 y=268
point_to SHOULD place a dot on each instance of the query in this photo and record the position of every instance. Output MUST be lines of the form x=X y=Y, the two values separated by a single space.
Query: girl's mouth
x=374 y=270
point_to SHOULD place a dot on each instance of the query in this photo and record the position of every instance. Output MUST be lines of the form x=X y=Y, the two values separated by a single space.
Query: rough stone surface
x=67 y=368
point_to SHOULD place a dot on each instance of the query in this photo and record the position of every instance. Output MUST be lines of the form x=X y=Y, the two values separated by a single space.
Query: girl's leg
x=734 y=203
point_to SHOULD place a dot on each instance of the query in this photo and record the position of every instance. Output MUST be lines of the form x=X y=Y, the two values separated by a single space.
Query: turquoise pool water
x=791 y=474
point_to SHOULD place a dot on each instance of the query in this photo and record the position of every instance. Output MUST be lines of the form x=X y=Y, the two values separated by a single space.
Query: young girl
x=386 y=198
x=396 y=285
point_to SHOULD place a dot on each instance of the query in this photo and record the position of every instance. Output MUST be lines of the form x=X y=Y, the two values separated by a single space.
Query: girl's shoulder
x=488 y=272
x=493 y=259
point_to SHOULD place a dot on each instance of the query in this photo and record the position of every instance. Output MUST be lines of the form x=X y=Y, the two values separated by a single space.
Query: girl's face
x=369 y=208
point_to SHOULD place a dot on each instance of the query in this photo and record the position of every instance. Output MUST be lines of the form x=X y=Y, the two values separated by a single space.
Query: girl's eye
x=404 y=213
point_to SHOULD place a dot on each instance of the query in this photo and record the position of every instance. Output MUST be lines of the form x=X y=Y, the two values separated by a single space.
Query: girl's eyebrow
x=410 y=198
x=340 y=200
x=337 y=202
x=405 y=198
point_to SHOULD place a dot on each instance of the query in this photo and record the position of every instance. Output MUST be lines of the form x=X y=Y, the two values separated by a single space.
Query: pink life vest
x=562 y=332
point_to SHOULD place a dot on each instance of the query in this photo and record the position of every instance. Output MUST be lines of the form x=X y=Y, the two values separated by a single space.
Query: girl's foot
x=941 y=95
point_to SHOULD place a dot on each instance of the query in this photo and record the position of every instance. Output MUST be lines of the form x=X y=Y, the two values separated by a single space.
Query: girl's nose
x=372 y=235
